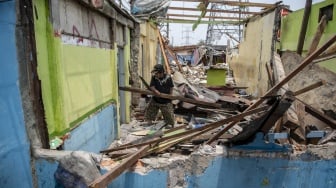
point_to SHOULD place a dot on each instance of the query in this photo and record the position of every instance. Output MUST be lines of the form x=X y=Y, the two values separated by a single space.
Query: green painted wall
x=86 y=79
x=75 y=80
x=291 y=25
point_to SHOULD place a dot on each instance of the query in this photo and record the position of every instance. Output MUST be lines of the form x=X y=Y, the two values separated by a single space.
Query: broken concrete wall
x=237 y=168
x=255 y=51
x=15 y=146
x=76 y=64
x=291 y=25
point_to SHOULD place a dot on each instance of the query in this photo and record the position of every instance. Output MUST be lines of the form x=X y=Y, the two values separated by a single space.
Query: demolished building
x=61 y=80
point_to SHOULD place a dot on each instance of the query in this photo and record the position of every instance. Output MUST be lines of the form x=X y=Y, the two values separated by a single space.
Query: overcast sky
x=182 y=34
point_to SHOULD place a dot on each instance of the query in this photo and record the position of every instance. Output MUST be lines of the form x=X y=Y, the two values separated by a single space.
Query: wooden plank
x=166 y=96
x=310 y=87
x=203 y=129
x=304 y=26
x=319 y=115
x=275 y=88
x=325 y=58
x=163 y=52
x=105 y=179
x=318 y=34
x=145 y=83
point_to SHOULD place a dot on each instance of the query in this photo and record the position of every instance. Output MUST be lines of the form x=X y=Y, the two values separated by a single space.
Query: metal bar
x=196 y=16
x=210 y=10
x=232 y=3
x=186 y=21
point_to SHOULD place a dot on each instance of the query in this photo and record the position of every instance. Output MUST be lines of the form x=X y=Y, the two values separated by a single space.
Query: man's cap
x=158 y=68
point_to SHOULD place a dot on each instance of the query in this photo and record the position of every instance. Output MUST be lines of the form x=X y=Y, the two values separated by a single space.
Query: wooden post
x=275 y=88
x=318 y=35
x=304 y=25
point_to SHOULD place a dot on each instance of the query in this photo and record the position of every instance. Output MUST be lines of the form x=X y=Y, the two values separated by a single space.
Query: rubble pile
x=207 y=117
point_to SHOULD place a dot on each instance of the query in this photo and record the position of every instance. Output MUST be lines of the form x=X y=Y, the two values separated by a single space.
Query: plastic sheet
x=156 y=8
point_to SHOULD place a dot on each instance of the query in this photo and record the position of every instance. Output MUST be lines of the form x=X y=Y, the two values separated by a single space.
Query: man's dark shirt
x=163 y=85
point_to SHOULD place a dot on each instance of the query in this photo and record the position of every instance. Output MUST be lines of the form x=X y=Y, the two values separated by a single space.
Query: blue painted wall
x=266 y=172
x=45 y=173
x=96 y=133
x=15 y=168
x=154 y=179
x=232 y=172
x=93 y=135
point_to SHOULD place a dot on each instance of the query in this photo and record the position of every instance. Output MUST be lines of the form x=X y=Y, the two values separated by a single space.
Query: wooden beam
x=105 y=179
x=304 y=25
x=275 y=88
x=203 y=129
x=233 y=3
x=324 y=58
x=212 y=10
x=170 y=51
x=318 y=34
x=310 y=87
x=166 y=96
x=163 y=51
x=319 y=115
